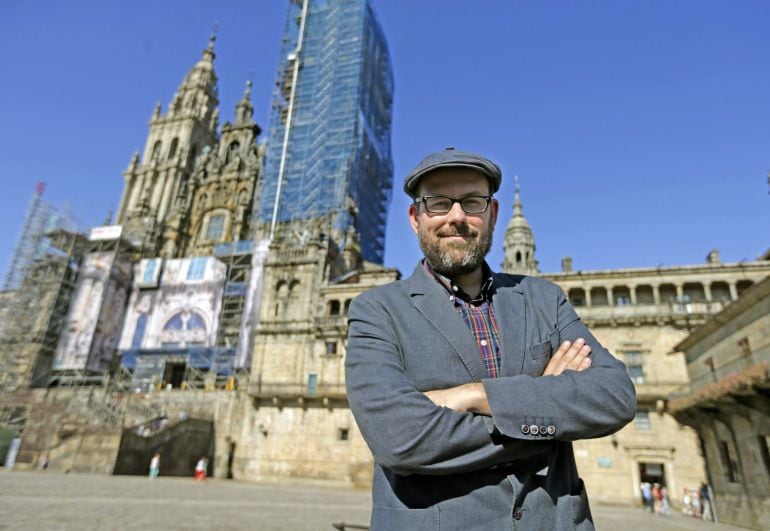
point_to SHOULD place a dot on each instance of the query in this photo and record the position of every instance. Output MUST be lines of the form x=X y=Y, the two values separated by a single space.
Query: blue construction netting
x=339 y=142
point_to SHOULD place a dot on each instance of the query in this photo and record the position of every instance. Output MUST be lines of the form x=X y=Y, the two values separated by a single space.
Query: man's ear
x=495 y=206
x=414 y=214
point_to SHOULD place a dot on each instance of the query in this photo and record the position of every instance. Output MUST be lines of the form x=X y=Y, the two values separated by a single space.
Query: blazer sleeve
x=405 y=430
x=579 y=405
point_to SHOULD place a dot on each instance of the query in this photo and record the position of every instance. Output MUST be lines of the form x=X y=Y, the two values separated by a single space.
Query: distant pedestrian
x=201 y=469
x=665 y=505
x=154 y=466
x=705 y=503
x=657 y=498
x=647 y=496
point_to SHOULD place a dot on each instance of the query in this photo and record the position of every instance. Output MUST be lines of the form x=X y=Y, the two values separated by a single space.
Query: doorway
x=174 y=374
x=652 y=473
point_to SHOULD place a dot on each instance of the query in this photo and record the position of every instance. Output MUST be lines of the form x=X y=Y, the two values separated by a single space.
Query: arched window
x=232 y=151
x=334 y=308
x=216 y=227
x=172 y=149
x=518 y=257
x=193 y=156
x=156 y=150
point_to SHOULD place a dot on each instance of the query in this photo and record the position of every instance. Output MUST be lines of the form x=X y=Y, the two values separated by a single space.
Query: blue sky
x=640 y=130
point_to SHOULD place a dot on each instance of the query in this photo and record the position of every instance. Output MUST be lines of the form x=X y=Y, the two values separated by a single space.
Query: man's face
x=454 y=243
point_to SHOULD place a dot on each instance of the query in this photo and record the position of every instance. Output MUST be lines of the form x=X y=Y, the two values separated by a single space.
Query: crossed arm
x=472 y=398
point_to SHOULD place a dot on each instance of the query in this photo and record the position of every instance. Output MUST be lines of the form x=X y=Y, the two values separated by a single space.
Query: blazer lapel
x=511 y=315
x=431 y=300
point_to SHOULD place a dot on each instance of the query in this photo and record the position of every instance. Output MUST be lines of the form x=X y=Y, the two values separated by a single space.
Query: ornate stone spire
x=244 y=110
x=197 y=96
x=519 y=244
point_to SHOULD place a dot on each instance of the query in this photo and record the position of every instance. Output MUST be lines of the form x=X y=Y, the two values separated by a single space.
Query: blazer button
x=525 y=429
x=517 y=513
x=543 y=430
x=551 y=429
x=533 y=429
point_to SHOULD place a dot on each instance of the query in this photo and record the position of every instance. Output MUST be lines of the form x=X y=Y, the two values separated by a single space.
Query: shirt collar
x=487 y=285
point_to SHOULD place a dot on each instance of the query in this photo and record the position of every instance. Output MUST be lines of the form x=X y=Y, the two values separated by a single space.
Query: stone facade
x=728 y=403
x=193 y=187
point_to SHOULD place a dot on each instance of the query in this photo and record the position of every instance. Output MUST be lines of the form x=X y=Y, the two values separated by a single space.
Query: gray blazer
x=439 y=469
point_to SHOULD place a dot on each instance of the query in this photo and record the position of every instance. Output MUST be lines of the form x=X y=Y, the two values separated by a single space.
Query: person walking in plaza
x=705 y=503
x=201 y=469
x=469 y=385
x=154 y=466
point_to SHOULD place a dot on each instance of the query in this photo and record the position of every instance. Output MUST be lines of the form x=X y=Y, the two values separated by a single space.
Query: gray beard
x=450 y=265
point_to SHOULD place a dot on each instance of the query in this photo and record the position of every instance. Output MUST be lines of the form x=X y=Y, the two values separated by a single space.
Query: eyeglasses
x=441 y=204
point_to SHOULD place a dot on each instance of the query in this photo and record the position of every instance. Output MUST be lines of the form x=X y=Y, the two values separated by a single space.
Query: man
x=468 y=385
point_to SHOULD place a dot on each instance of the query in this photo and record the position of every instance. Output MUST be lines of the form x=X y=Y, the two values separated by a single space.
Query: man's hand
x=572 y=356
x=466 y=398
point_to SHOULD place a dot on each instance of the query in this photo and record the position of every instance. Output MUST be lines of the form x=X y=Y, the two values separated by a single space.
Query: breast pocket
x=540 y=353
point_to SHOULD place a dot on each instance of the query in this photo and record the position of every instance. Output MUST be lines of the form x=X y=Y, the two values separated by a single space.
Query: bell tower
x=175 y=140
x=519 y=243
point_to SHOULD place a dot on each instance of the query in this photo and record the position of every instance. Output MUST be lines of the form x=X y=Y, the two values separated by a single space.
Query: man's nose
x=456 y=214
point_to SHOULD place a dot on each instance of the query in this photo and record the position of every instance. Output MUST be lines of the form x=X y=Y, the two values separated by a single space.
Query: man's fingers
x=569 y=356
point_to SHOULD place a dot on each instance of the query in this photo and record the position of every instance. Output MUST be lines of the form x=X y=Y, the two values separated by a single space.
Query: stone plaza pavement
x=37 y=500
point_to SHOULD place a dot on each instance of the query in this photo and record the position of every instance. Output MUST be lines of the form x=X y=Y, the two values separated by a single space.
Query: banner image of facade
x=95 y=316
x=173 y=312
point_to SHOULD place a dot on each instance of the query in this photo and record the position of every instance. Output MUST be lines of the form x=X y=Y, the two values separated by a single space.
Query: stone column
x=707 y=291
x=656 y=294
x=632 y=291
x=680 y=292
x=733 y=290
x=610 y=298
x=588 y=296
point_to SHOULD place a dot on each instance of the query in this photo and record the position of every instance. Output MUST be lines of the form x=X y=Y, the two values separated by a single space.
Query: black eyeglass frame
x=423 y=200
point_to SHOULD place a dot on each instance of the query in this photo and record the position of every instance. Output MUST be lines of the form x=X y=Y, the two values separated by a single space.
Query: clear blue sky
x=640 y=130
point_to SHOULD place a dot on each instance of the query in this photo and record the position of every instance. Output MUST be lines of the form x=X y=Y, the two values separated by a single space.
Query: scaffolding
x=36 y=312
x=330 y=123
x=41 y=218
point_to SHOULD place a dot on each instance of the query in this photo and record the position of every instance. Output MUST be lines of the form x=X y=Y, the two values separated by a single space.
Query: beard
x=453 y=258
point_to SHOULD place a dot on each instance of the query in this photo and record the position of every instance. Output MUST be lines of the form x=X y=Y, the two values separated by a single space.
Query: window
x=172 y=149
x=635 y=366
x=149 y=272
x=216 y=227
x=232 y=151
x=312 y=383
x=343 y=434
x=764 y=450
x=334 y=308
x=196 y=269
x=729 y=464
x=642 y=420
x=331 y=348
x=745 y=346
x=156 y=150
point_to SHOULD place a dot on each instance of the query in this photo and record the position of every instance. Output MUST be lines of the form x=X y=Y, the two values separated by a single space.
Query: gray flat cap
x=451 y=157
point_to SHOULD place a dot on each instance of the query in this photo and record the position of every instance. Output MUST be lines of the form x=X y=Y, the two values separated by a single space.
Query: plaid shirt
x=478 y=314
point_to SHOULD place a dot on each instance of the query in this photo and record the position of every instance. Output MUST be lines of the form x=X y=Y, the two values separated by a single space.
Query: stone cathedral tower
x=192 y=188
x=519 y=243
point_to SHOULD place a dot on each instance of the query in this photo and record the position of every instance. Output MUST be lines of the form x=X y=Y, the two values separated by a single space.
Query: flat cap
x=451 y=157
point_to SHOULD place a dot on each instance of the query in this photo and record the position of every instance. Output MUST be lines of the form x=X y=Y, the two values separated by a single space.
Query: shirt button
x=451 y=297
x=517 y=513
x=483 y=342
x=454 y=288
